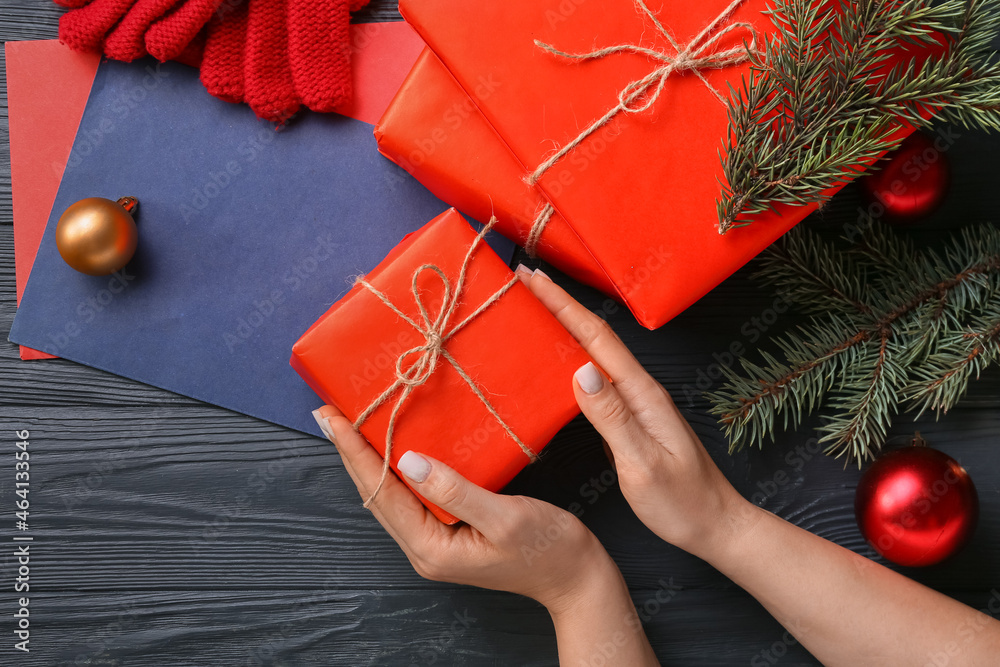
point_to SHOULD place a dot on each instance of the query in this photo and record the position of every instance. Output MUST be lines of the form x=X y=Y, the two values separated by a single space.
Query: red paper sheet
x=47 y=89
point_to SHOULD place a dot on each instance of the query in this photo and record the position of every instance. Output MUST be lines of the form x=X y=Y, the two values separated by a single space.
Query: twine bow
x=696 y=56
x=416 y=365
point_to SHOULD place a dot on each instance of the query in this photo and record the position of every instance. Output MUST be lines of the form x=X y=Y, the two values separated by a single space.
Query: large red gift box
x=504 y=369
x=640 y=193
x=435 y=131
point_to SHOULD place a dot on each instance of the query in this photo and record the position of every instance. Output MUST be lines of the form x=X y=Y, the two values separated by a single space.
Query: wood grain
x=170 y=532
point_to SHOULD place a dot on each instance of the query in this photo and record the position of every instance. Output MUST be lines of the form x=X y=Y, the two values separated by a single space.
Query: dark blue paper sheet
x=246 y=236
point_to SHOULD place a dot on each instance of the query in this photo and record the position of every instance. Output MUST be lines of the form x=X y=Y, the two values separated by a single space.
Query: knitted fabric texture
x=267 y=76
x=222 y=64
x=84 y=29
x=319 y=52
x=275 y=55
x=168 y=37
x=126 y=41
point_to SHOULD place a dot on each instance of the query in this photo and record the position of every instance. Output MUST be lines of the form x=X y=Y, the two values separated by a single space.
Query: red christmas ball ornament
x=916 y=506
x=911 y=181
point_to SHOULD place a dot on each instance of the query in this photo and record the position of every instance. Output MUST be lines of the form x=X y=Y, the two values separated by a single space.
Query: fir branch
x=748 y=406
x=943 y=379
x=868 y=400
x=926 y=322
x=807 y=272
x=822 y=103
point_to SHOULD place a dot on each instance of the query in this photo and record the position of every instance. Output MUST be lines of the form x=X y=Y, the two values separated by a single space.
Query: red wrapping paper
x=641 y=192
x=517 y=353
x=435 y=131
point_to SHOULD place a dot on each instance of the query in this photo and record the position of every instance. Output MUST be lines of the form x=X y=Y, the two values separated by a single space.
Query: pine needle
x=821 y=103
x=894 y=329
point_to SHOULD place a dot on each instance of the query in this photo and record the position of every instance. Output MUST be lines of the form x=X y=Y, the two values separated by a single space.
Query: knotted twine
x=696 y=56
x=436 y=333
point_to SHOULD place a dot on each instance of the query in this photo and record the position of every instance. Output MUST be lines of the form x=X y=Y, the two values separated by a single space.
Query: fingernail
x=589 y=378
x=521 y=268
x=414 y=466
x=324 y=425
x=539 y=272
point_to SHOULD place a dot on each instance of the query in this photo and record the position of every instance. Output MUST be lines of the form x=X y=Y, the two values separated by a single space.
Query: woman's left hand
x=509 y=543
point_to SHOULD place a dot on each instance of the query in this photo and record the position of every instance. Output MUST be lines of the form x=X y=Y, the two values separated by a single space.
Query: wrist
x=595 y=581
x=732 y=533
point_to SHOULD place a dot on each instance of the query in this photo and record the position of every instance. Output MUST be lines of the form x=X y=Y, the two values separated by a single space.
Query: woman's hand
x=845 y=609
x=664 y=472
x=508 y=543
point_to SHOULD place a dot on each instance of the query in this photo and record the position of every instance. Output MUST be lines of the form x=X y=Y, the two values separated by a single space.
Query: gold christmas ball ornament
x=98 y=236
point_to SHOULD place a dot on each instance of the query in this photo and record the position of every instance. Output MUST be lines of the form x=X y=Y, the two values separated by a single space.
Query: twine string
x=537 y=227
x=639 y=95
x=415 y=366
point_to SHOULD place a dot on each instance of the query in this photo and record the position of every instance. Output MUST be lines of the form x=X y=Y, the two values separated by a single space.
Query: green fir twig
x=893 y=328
x=822 y=102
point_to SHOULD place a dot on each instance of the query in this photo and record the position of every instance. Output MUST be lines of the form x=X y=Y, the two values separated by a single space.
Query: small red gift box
x=639 y=193
x=442 y=343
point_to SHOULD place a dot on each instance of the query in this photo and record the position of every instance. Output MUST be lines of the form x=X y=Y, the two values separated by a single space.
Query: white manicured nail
x=324 y=425
x=589 y=378
x=539 y=272
x=521 y=268
x=414 y=466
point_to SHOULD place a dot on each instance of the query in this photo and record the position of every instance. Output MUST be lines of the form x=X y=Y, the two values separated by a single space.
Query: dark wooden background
x=142 y=556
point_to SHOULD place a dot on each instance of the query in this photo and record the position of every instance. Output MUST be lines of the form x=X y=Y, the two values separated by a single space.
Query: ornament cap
x=130 y=204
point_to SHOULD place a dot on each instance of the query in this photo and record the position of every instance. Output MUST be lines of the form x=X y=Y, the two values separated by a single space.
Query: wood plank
x=204 y=499
x=173 y=532
x=337 y=626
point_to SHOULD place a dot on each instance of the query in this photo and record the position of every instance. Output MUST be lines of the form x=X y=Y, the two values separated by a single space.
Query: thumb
x=601 y=403
x=447 y=489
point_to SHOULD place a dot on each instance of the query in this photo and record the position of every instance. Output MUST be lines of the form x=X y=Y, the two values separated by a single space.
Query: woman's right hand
x=664 y=472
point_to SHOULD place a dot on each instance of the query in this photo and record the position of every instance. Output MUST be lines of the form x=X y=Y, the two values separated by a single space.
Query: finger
x=600 y=342
x=453 y=493
x=125 y=42
x=319 y=52
x=267 y=75
x=601 y=403
x=399 y=511
x=610 y=454
x=167 y=38
x=84 y=29
x=222 y=62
